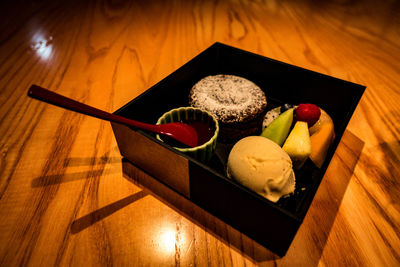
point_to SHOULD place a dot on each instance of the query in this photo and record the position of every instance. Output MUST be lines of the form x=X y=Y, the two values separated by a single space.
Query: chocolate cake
x=236 y=102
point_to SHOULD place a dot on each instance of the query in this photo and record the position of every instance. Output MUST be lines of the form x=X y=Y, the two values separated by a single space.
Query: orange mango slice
x=320 y=142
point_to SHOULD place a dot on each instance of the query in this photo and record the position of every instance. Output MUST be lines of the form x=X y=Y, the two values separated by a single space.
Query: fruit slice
x=320 y=142
x=270 y=116
x=278 y=129
x=324 y=118
x=298 y=144
x=309 y=113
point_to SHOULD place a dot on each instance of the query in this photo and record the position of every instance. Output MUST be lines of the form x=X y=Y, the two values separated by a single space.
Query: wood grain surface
x=63 y=197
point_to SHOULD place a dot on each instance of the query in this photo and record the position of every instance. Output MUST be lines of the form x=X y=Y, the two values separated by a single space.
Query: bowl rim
x=196 y=148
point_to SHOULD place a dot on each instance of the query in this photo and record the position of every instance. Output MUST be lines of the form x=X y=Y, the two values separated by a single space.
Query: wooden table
x=63 y=197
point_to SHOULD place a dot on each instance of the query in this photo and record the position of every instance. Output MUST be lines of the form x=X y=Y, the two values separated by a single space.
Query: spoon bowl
x=179 y=131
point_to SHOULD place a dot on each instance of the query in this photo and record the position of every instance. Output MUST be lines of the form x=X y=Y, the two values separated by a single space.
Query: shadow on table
x=64 y=176
x=310 y=240
x=99 y=214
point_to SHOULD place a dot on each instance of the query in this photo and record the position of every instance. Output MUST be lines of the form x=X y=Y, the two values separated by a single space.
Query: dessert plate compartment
x=273 y=225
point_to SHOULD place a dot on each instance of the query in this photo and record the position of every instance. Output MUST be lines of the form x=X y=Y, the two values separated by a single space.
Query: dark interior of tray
x=281 y=82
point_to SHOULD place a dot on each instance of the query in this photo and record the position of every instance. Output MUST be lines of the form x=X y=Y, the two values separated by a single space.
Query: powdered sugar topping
x=230 y=98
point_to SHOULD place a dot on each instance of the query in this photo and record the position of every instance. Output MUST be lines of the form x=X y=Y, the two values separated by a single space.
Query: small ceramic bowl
x=189 y=115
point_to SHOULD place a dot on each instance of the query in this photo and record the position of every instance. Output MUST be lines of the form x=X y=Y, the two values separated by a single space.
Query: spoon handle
x=50 y=97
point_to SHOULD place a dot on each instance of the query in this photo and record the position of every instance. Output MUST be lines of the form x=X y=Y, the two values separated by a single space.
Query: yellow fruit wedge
x=320 y=142
x=298 y=144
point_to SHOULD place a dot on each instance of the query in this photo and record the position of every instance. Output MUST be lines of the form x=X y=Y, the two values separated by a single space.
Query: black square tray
x=273 y=225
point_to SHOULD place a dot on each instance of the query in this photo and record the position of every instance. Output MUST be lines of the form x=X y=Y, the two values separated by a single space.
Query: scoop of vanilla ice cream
x=261 y=165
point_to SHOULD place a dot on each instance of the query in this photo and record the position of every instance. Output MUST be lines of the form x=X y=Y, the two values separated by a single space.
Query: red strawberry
x=309 y=113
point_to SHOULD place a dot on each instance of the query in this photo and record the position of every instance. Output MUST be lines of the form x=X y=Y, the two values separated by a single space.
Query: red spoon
x=179 y=131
